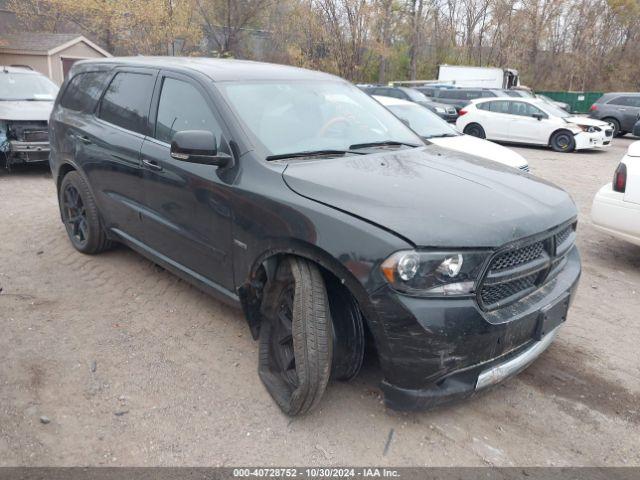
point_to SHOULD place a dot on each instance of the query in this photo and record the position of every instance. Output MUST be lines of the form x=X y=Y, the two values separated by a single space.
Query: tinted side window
x=182 y=107
x=500 y=106
x=627 y=101
x=524 y=109
x=83 y=91
x=126 y=102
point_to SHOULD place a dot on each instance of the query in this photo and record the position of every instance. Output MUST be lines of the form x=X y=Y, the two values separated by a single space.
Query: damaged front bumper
x=440 y=350
x=24 y=142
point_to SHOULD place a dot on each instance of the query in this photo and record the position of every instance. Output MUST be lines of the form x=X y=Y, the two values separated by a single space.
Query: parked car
x=459 y=97
x=564 y=106
x=294 y=195
x=26 y=100
x=445 y=112
x=534 y=122
x=619 y=109
x=616 y=206
x=435 y=130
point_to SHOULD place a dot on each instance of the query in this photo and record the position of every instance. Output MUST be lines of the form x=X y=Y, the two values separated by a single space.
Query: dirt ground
x=134 y=367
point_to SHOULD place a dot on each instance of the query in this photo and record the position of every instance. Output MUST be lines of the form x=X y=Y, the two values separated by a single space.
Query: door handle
x=151 y=164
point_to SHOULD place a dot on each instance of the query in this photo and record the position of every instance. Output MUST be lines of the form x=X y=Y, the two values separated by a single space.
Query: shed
x=52 y=54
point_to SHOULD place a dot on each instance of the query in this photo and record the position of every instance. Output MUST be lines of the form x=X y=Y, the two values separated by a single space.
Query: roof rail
x=28 y=67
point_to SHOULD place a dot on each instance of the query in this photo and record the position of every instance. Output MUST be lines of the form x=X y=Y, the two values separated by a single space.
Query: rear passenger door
x=495 y=119
x=187 y=213
x=112 y=139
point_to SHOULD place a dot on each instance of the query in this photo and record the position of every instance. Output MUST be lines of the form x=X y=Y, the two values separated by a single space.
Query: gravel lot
x=134 y=367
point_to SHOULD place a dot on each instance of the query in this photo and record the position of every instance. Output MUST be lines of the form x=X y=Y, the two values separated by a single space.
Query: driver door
x=188 y=216
x=526 y=128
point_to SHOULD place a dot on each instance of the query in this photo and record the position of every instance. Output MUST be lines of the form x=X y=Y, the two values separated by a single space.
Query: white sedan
x=532 y=121
x=616 y=206
x=432 y=128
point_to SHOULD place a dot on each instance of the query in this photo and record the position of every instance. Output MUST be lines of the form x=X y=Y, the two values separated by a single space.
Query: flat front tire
x=80 y=215
x=296 y=346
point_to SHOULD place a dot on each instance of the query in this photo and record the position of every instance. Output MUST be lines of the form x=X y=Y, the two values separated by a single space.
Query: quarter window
x=182 y=107
x=83 y=91
x=126 y=102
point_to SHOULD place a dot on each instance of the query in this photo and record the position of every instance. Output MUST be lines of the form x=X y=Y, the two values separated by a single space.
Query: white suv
x=532 y=121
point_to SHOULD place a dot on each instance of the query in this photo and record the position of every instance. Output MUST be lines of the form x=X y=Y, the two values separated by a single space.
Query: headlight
x=434 y=273
x=588 y=128
x=440 y=110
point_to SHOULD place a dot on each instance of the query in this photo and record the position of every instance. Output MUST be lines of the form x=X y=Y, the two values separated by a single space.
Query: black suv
x=297 y=197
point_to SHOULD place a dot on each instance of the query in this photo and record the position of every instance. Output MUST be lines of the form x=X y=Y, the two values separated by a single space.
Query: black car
x=293 y=195
x=621 y=110
x=446 y=112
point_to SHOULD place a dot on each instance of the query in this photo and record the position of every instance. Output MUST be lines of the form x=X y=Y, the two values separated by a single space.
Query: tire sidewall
x=554 y=139
x=95 y=234
x=474 y=127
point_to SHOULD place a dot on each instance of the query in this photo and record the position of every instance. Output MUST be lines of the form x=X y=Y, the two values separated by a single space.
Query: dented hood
x=25 y=110
x=432 y=196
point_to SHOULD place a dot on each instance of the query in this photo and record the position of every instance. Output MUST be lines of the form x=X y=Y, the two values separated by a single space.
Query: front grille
x=494 y=294
x=516 y=272
x=517 y=257
x=524 y=168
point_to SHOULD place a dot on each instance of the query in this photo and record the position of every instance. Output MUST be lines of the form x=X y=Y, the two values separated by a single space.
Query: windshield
x=294 y=116
x=551 y=109
x=26 y=86
x=423 y=121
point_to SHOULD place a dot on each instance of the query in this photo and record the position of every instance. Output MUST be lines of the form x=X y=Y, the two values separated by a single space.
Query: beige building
x=52 y=54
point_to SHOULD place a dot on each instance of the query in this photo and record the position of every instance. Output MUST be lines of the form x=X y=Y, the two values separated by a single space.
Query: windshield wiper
x=310 y=153
x=384 y=143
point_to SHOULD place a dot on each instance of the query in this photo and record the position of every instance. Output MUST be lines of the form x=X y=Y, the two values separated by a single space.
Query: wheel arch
x=336 y=276
x=558 y=130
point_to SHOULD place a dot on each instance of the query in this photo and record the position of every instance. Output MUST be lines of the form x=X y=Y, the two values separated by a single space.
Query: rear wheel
x=296 y=345
x=563 y=141
x=615 y=124
x=80 y=215
x=475 y=130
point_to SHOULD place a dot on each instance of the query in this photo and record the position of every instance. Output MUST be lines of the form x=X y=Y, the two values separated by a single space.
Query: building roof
x=43 y=43
x=218 y=69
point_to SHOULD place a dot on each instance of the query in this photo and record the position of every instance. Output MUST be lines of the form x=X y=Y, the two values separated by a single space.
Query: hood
x=481 y=148
x=434 y=197
x=25 y=110
x=586 y=121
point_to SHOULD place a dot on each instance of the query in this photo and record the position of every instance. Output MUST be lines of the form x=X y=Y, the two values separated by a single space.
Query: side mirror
x=198 y=146
x=538 y=116
x=636 y=129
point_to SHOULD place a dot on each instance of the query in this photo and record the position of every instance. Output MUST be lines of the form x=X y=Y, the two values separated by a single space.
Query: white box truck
x=478 y=77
